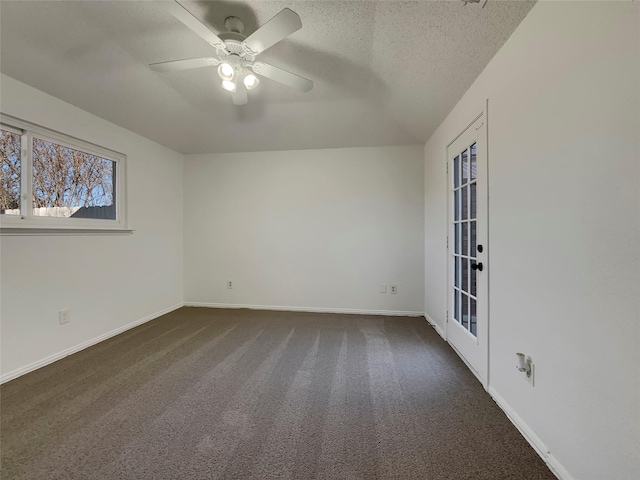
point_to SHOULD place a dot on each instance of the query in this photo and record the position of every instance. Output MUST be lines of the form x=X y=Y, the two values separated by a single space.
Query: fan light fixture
x=251 y=81
x=229 y=85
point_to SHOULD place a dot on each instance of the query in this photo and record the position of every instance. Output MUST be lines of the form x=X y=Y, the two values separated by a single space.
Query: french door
x=467 y=318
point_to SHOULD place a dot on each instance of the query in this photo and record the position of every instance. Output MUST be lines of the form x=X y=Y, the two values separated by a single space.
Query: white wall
x=317 y=229
x=564 y=176
x=106 y=281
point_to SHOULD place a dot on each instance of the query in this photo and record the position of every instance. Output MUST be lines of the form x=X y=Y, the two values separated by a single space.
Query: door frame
x=480 y=112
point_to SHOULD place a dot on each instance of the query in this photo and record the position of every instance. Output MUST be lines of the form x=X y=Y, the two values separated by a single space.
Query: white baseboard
x=306 y=309
x=541 y=449
x=70 y=351
x=436 y=327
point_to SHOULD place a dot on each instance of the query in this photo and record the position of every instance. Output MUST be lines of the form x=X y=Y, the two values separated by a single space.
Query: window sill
x=22 y=231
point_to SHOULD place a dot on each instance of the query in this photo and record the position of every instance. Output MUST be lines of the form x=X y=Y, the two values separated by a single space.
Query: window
x=10 y=186
x=52 y=181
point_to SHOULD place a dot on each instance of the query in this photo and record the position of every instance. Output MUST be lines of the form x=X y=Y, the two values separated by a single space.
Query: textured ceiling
x=385 y=73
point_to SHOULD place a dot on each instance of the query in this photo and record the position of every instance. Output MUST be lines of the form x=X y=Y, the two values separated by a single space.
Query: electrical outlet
x=64 y=316
x=229 y=283
x=394 y=289
x=383 y=289
x=529 y=377
x=525 y=366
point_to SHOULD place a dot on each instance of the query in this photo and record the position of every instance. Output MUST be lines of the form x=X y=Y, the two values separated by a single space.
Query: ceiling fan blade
x=278 y=28
x=186 y=17
x=239 y=97
x=282 y=76
x=187 y=64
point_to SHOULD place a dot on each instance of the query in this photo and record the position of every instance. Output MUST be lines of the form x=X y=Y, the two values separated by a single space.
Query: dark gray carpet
x=238 y=394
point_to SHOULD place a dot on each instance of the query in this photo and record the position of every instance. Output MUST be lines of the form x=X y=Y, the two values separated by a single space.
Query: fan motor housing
x=234 y=47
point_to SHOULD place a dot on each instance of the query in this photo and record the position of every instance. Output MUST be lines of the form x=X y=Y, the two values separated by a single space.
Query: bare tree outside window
x=71 y=183
x=10 y=172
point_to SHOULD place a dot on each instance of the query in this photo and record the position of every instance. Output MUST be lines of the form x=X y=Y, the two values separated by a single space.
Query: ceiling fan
x=236 y=53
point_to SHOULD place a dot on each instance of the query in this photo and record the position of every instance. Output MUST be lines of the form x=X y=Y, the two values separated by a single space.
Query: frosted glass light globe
x=251 y=81
x=229 y=85
x=226 y=71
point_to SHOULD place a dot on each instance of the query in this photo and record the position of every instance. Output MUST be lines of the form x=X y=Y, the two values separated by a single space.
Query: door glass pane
x=465 y=198
x=472 y=287
x=465 y=167
x=472 y=200
x=473 y=162
x=472 y=238
x=456 y=244
x=465 y=274
x=456 y=270
x=456 y=205
x=456 y=305
x=465 y=238
x=10 y=171
x=456 y=172
x=473 y=324
x=71 y=183
x=465 y=311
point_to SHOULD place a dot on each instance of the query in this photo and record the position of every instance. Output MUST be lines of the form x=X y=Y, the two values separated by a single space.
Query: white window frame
x=26 y=221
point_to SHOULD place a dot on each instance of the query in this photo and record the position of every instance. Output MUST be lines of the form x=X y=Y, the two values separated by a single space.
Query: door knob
x=476 y=266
